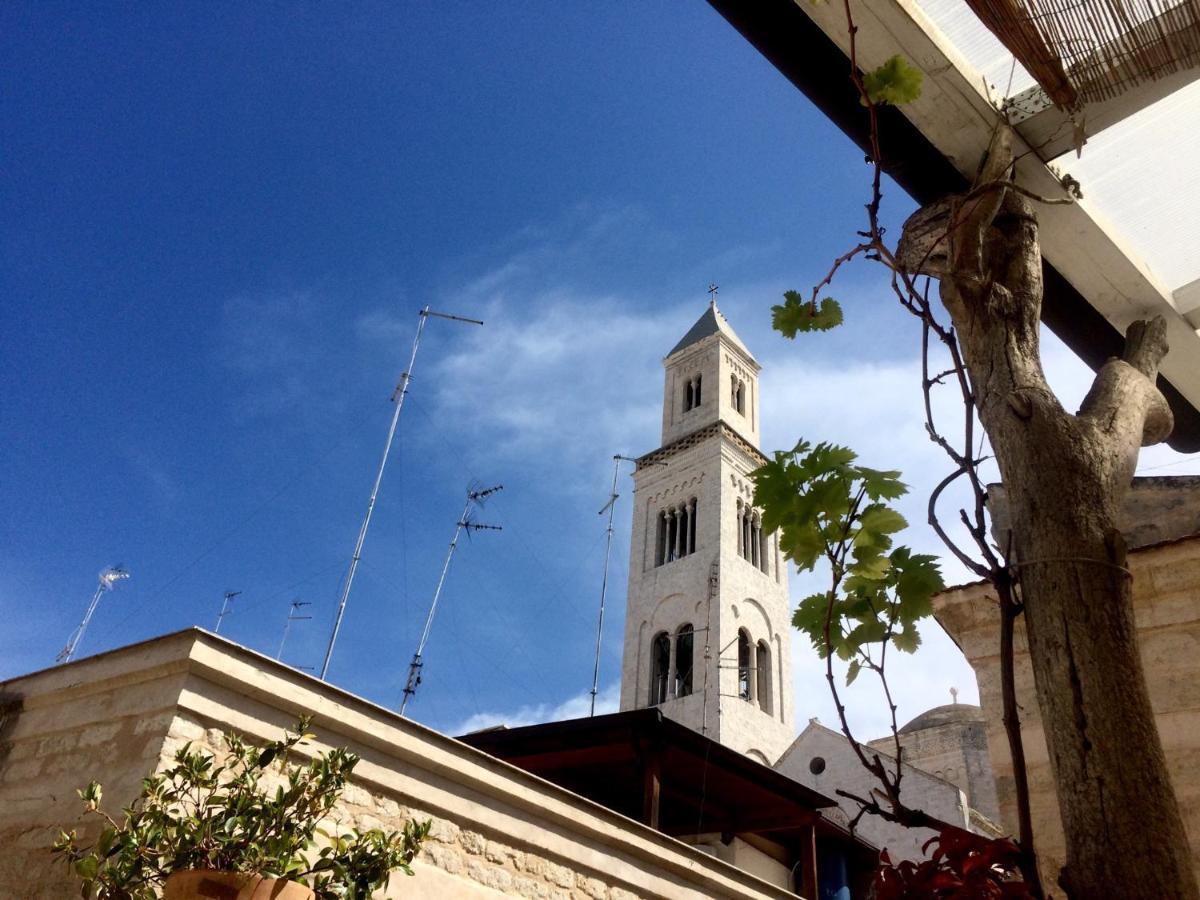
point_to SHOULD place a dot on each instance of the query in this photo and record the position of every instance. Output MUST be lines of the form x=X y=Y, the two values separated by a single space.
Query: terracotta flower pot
x=207 y=884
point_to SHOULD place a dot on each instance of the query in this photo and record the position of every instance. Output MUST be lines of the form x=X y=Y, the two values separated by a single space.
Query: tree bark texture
x=1066 y=476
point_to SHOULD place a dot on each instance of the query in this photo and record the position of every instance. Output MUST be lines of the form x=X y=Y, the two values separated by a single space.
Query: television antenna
x=474 y=498
x=609 y=507
x=398 y=396
x=106 y=582
x=225 y=604
x=293 y=616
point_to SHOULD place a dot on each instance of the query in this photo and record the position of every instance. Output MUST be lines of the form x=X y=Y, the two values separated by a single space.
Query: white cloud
x=576 y=707
x=545 y=378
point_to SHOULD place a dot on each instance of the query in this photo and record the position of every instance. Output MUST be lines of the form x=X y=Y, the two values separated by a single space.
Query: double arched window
x=737 y=394
x=691 y=393
x=752 y=542
x=754 y=671
x=675 y=532
x=671 y=672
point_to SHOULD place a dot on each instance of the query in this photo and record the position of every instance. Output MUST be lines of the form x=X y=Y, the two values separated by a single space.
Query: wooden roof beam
x=1095 y=286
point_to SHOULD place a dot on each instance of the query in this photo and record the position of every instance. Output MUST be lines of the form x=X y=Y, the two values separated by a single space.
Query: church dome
x=950 y=714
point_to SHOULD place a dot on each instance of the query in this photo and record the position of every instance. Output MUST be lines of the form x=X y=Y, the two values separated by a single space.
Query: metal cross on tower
x=712 y=293
x=464 y=521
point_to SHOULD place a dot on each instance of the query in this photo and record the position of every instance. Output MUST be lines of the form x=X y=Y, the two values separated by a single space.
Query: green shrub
x=203 y=815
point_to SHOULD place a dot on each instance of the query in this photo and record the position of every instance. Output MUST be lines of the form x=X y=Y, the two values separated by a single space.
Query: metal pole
x=229 y=595
x=414 y=667
x=292 y=617
x=398 y=397
x=108 y=578
x=611 y=507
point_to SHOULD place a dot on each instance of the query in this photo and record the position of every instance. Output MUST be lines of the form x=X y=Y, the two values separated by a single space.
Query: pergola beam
x=1094 y=285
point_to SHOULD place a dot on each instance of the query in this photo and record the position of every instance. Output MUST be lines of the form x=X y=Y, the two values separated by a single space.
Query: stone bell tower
x=707 y=625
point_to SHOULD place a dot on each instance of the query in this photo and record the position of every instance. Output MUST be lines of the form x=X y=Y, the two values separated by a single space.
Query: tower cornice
x=695 y=438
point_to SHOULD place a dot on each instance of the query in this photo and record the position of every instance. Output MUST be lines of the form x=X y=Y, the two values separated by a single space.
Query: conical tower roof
x=710 y=323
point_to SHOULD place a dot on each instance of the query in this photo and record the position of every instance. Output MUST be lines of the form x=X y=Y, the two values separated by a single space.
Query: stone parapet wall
x=498 y=831
x=1166 y=594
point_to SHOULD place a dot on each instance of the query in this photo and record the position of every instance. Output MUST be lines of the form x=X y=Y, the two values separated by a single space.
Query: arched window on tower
x=660 y=667
x=737 y=394
x=675 y=532
x=744 y=669
x=691 y=393
x=745 y=532
x=763 y=664
x=684 y=643
x=692 y=506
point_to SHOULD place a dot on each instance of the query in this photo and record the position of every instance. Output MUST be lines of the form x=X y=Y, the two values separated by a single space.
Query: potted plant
x=244 y=829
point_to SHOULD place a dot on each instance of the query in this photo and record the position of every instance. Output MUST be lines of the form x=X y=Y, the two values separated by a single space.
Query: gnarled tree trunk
x=1066 y=476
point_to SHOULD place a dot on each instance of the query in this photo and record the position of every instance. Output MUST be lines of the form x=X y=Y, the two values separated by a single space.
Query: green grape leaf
x=895 y=82
x=870 y=567
x=880 y=485
x=796 y=314
x=810 y=616
x=880 y=519
x=852 y=672
x=916 y=577
x=907 y=639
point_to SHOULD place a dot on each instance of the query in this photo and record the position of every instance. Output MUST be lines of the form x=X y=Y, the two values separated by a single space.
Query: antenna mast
x=414 y=667
x=296 y=606
x=229 y=595
x=107 y=579
x=609 y=507
x=398 y=396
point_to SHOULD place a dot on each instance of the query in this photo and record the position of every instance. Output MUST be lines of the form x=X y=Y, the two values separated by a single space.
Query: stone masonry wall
x=1166 y=593
x=498 y=831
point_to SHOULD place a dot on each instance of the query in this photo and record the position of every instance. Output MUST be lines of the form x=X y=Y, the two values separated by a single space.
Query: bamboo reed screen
x=1084 y=51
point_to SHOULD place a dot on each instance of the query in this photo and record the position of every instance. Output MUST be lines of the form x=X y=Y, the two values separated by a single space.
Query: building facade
x=707 y=627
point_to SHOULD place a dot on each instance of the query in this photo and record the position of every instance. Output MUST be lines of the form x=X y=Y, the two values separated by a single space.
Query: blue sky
x=218 y=224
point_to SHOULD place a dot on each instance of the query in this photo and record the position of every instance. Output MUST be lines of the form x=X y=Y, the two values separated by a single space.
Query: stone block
x=445 y=858
x=472 y=842
x=443 y=830
x=489 y=876
x=532 y=888
x=591 y=887
x=560 y=875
